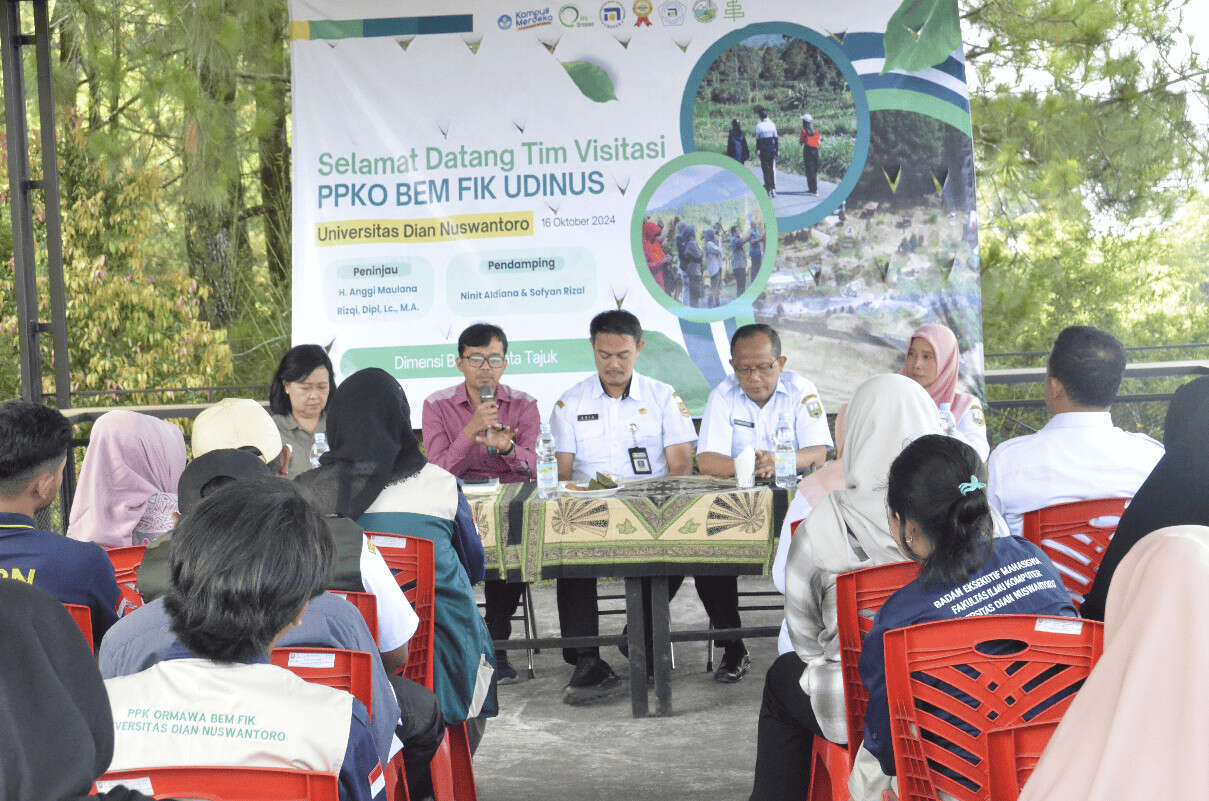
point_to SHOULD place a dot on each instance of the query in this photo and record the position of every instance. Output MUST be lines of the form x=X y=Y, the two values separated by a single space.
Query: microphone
x=487 y=394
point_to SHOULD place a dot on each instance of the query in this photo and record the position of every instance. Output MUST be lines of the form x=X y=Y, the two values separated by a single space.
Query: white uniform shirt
x=766 y=129
x=1074 y=457
x=732 y=420
x=600 y=430
x=397 y=621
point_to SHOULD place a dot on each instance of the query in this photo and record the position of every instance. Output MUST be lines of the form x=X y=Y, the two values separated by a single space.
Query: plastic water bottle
x=547 y=465
x=948 y=425
x=786 y=453
x=319 y=448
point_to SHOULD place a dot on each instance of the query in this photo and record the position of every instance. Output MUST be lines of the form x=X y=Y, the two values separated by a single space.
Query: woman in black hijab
x=376 y=474
x=1175 y=493
x=55 y=721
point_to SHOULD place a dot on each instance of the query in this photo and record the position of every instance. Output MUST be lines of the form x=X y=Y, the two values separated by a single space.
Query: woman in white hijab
x=847 y=530
x=1137 y=728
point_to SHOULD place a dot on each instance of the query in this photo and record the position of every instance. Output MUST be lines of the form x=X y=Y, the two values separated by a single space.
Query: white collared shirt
x=732 y=420
x=1076 y=456
x=600 y=430
x=766 y=129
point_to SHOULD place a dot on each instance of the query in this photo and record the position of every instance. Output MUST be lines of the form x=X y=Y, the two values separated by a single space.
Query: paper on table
x=745 y=467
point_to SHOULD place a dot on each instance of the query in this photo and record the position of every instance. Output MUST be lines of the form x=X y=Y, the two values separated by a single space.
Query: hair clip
x=973 y=485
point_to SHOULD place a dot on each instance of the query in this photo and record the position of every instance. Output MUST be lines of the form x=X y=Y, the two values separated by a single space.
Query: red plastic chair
x=1067 y=535
x=1013 y=753
x=351 y=671
x=225 y=783
x=411 y=560
x=367 y=604
x=82 y=615
x=859 y=594
x=947 y=690
x=126 y=561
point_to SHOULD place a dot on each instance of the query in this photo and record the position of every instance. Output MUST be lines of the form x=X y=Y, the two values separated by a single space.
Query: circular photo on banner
x=704 y=237
x=784 y=102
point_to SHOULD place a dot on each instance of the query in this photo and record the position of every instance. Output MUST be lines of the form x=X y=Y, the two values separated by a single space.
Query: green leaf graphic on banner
x=594 y=82
x=921 y=34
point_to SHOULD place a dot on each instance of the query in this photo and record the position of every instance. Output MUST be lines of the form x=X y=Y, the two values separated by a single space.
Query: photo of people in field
x=901 y=252
x=780 y=106
x=703 y=236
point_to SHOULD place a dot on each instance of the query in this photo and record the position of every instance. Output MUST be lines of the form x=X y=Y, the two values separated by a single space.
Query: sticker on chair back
x=1059 y=626
x=140 y=783
x=309 y=660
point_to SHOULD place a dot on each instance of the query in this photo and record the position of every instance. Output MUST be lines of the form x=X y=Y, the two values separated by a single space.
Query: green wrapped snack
x=605 y=482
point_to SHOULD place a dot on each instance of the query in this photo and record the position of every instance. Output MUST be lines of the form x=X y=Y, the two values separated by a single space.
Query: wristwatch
x=511 y=450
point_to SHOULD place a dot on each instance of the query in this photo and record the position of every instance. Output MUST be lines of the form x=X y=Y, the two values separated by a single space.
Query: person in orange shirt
x=809 y=137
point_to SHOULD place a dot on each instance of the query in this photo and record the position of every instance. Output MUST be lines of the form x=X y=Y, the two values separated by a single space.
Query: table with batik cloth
x=651 y=529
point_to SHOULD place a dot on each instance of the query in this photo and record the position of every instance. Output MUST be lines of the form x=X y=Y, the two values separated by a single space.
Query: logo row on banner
x=612 y=14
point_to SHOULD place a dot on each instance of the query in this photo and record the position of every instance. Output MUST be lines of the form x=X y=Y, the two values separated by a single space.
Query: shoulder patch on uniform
x=370 y=544
x=814 y=406
x=976 y=415
x=684 y=409
x=642 y=410
x=560 y=404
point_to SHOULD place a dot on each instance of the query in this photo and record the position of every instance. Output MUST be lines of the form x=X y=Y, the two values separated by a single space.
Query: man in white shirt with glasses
x=743 y=411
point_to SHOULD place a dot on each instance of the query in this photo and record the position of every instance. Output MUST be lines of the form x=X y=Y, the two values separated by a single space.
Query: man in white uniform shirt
x=1079 y=454
x=766 y=148
x=742 y=412
x=624 y=424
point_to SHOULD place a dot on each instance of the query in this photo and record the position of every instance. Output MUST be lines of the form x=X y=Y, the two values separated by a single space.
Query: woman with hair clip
x=938 y=513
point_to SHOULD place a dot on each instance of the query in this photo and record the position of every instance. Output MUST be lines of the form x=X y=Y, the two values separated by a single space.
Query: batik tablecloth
x=653 y=526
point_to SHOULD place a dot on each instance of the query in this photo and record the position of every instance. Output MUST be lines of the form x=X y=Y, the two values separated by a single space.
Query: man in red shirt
x=478 y=438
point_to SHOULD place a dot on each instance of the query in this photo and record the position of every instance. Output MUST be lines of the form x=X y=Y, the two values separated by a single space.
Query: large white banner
x=495 y=162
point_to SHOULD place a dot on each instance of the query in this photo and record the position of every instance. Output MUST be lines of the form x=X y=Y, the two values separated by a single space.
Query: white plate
x=483 y=488
x=600 y=493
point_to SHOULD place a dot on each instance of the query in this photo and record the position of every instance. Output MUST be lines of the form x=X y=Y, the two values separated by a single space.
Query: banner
x=703 y=164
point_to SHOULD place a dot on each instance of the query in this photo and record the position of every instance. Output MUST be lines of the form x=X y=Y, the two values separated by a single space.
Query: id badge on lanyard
x=640 y=461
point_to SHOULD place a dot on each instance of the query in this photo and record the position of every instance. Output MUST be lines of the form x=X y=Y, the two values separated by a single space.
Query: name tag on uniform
x=744 y=423
x=640 y=461
x=583 y=418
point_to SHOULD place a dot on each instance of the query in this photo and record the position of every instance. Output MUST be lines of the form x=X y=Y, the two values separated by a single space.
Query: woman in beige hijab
x=1137 y=728
x=847 y=530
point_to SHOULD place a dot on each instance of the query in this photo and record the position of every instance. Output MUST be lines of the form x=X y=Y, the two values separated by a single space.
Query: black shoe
x=735 y=665
x=592 y=681
x=504 y=672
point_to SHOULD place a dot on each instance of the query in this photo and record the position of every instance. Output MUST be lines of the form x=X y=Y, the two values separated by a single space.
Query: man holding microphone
x=482 y=429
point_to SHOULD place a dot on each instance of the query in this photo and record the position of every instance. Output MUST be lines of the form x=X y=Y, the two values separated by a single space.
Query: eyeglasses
x=756 y=369
x=494 y=362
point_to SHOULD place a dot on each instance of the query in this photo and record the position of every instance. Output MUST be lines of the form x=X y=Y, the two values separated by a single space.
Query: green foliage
x=133 y=317
x=590 y=79
x=921 y=34
x=1090 y=169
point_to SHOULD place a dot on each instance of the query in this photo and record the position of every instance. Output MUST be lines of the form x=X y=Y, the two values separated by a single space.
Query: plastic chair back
x=1013 y=753
x=411 y=560
x=858 y=597
x=451 y=767
x=950 y=682
x=351 y=671
x=126 y=561
x=1074 y=536
x=225 y=783
x=367 y=604
x=82 y=615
